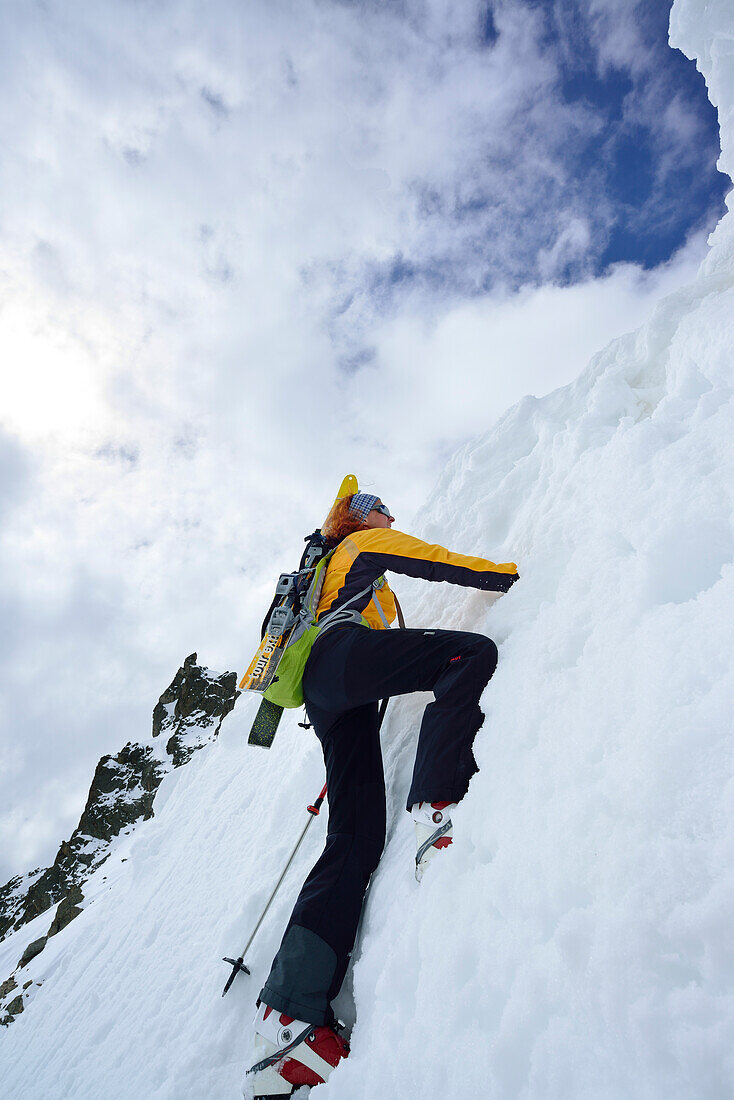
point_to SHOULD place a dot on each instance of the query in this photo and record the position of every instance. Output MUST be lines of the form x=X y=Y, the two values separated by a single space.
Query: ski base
x=264 y=664
x=302 y=1090
x=265 y=724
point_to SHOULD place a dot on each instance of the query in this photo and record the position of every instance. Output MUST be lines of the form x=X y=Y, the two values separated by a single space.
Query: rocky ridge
x=187 y=716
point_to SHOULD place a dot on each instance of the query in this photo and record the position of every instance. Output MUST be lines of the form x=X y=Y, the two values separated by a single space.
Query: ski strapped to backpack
x=290 y=630
x=292 y=593
x=289 y=593
x=297 y=617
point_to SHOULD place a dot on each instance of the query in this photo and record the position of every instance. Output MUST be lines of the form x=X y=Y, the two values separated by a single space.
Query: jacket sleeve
x=381 y=548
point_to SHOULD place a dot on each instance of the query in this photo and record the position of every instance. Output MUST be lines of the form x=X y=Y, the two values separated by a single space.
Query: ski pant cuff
x=436 y=794
x=292 y=1008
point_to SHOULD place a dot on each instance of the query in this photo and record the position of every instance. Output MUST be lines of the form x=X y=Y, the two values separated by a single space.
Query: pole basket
x=237 y=965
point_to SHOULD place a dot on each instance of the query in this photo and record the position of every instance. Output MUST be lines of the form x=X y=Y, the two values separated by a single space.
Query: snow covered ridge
x=188 y=716
x=702 y=30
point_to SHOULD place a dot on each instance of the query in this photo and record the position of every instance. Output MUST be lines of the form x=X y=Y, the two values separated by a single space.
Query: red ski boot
x=289 y=1053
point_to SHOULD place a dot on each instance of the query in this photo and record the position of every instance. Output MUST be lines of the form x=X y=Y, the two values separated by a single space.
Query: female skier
x=356 y=661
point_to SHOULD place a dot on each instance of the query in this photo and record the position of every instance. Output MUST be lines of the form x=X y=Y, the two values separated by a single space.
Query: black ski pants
x=349 y=670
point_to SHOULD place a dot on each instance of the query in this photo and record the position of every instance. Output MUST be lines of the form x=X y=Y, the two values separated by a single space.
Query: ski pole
x=238 y=963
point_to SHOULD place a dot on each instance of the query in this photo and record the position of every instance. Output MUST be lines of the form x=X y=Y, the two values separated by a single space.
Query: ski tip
x=348 y=486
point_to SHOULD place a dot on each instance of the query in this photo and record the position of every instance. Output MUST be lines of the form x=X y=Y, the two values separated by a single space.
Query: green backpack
x=286 y=688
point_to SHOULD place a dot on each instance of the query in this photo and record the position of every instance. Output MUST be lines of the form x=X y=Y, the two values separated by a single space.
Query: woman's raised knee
x=488 y=654
x=482 y=651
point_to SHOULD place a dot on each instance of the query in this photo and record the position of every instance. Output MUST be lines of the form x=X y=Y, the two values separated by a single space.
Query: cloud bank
x=246 y=250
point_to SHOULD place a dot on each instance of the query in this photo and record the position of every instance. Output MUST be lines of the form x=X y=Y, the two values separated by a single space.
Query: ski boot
x=290 y=1053
x=433 y=830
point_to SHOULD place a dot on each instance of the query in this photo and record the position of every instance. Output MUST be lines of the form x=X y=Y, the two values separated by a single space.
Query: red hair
x=341 y=522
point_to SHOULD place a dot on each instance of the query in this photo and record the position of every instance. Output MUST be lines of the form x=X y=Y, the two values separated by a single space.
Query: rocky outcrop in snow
x=191 y=709
x=122 y=792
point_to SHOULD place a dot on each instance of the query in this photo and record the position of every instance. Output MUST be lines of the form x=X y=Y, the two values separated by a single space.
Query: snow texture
x=575 y=942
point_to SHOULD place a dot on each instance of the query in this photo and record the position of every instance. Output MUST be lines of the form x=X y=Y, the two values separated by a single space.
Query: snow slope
x=575 y=943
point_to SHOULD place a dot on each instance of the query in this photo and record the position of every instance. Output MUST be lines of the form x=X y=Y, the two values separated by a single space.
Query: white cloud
x=455 y=373
x=242 y=253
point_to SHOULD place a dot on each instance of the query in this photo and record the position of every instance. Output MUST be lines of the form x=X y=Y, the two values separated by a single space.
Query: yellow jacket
x=364 y=556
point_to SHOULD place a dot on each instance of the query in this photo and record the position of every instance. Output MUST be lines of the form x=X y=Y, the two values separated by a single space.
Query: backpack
x=293 y=618
x=295 y=615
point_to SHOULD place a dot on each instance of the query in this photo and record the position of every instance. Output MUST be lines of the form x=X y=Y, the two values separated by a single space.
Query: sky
x=248 y=248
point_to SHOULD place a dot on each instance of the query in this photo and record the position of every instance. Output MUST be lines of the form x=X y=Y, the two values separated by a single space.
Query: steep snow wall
x=575 y=943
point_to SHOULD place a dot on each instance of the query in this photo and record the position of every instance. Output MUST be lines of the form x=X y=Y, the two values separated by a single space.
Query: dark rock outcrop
x=189 y=712
x=15 y=1007
x=192 y=708
x=8 y=986
x=67 y=909
x=12 y=898
x=122 y=792
x=32 y=950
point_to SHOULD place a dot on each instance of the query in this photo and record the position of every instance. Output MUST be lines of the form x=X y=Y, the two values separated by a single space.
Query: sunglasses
x=383 y=510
